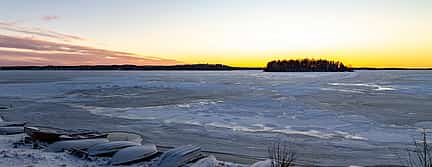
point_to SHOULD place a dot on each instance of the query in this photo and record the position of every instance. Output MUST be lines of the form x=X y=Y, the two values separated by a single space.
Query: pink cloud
x=38 y=32
x=49 y=18
x=26 y=51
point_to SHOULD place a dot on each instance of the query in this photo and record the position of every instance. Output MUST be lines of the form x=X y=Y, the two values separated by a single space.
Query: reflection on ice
x=367 y=85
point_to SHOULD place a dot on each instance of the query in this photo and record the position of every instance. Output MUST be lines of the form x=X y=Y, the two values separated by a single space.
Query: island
x=306 y=65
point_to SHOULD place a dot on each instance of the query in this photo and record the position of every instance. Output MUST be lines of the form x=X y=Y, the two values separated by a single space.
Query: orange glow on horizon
x=354 y=58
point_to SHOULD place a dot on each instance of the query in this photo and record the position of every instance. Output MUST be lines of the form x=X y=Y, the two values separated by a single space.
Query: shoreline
x=226 y=157
x=24 y=154
x=14 y=153
x=185 y=67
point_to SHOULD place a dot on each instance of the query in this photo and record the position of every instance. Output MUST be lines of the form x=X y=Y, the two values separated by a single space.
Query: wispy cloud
x=49 y=18
x=12 y=27
x=28 y=51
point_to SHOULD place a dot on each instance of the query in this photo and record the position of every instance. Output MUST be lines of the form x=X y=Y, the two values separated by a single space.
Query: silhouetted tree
x=421 y=156
x=281 y=154
x=306 y=65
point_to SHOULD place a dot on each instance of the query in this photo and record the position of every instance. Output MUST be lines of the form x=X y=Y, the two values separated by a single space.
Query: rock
x=206 y=162
x=265 y=163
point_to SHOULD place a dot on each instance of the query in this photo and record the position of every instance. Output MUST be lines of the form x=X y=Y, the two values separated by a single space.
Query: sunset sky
x=373 y=33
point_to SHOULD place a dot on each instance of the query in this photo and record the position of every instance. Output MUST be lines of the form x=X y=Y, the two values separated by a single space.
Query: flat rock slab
x=74 y=144
x=124 y=136
x=133 y=154
x=179 y=156
x=11 y=130
x=110 y=147
x=265 y=163
x=206 y=162
x=12 y=123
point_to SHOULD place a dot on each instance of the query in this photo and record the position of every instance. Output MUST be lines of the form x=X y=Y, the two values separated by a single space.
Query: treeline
x=187 y=67
x=306 y=65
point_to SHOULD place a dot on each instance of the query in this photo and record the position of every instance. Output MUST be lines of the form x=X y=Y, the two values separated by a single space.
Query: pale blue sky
x=91 y=17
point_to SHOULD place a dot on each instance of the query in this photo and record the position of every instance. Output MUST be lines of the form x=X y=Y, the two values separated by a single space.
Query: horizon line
x=162 y=65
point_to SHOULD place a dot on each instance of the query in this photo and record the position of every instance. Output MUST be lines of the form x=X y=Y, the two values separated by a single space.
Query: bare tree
x=281 y=154
x=421 y=156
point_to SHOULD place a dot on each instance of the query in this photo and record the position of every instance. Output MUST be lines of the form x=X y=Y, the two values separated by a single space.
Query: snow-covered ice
x=359 y=118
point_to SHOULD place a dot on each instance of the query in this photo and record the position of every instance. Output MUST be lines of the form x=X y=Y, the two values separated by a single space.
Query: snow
x=24 y=156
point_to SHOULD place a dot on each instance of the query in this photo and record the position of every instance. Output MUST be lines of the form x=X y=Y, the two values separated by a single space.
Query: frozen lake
x=358 y=118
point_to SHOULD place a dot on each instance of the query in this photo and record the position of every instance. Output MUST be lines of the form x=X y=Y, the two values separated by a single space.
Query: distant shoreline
x=390 y=69
x=190 y=67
